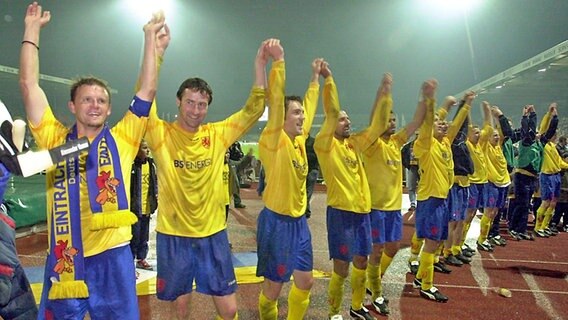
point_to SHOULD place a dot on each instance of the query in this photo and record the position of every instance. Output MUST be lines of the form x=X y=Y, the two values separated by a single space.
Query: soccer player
x=89 y=220
x=459 y=192
x=192 y=242
x=348 y=195
x=383 y=166
x=508 y=136
x=284 y=242
x=550 y=178
x=495 y=192
x=477 y=182
x=433 y=149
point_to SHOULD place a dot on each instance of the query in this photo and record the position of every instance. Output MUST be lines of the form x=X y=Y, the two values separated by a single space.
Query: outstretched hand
x=35 y=17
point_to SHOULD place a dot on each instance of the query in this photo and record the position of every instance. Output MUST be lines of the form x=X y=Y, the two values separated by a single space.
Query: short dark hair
x=563 y=139
x=288 y=99
x=88 y=81
x=195 y=84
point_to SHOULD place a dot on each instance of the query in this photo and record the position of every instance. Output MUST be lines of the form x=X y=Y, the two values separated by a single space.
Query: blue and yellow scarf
x=108 y=204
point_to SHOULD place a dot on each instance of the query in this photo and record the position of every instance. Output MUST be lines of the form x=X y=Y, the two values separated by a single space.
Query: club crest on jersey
x=206 y=142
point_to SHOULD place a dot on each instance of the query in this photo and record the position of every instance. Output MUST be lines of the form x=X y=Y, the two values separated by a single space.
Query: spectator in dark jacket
x=143 y=202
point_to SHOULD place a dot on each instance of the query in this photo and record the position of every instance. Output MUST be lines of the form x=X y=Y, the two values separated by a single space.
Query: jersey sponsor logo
x=192 y=165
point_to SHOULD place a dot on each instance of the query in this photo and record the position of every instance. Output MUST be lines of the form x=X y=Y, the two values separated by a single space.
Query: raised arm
x=527 y=133
x=276 y=84
x=553 y=125
x=312 y=96
x=35 y=100
x=502 y=123
x=331 y=109
x=418 y=118
x=149 y=68
x=425 y=135
x=487 y=129
x=382 y=106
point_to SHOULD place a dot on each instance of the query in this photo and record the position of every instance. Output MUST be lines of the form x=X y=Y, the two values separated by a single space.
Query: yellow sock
x=456 y=249
x=358 y=277
x=465 y=231
x=447 y=252
x=298 y=301
x=385 y=263
x=438 y=253
x=426 y=271
x=218 y=317
x=335 y=293
x=484 y=225
x=547 y=217
x=374 y=279
x=267 y=308
x=416 y=245
x=539 y=218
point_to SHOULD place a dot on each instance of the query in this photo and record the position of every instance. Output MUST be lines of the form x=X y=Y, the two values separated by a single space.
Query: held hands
x=316 y=66
x=553 y=109
x=449 y=102
x=325 y=70
x=386 y=84
x=274 y=49
x=468 y=97
x=529 y=109
x=429 y=89
x=496 y=112
x=157 y=27
x=35 y=17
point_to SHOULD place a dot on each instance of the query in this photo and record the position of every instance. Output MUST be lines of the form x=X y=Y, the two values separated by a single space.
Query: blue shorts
x=111 y=279
x=494 y=196
x=181 y=260
x=377 y=226
x=284 y=244
x=549 y=186
x=432 y=219
x=457 y=202
x=475 y=199
x=391 y=222
x=348 y=234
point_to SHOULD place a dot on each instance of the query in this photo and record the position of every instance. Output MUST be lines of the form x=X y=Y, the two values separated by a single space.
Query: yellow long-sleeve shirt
x=192 y=200
x=497 y=172
x=284 y=159
x=552 y=163
x=341 y=165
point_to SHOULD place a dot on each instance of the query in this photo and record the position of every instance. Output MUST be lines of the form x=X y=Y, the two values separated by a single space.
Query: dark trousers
x=524 y=189
x=494 y=231
x=561 y=212
x=140 y=236
x=311 y=180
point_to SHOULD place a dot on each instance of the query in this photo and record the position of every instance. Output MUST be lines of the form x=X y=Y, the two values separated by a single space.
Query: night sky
x=217 y=40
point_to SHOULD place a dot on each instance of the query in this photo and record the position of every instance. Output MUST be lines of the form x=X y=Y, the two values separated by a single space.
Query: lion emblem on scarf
x=64 y=256
x=107 y=188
